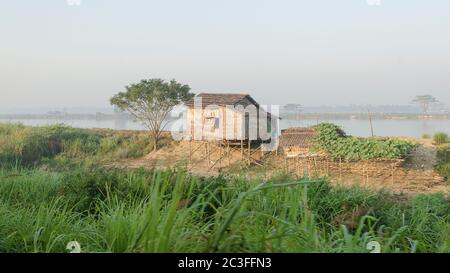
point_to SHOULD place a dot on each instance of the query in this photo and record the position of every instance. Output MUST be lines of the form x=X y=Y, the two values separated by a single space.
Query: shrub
x=426 y=136
x=332 y=139
x=440 y=138
x=444 y=170
x=443 y=166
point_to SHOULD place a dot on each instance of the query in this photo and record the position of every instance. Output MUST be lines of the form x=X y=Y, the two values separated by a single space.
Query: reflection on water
x=413 y=128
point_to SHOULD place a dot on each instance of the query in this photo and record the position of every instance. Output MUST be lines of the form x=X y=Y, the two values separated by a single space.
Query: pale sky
x=316 y=52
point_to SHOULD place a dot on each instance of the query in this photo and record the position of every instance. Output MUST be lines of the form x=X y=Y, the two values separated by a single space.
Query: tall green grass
x=440 y=138
x=60 y=146
x=443 y=166
x=170 y=211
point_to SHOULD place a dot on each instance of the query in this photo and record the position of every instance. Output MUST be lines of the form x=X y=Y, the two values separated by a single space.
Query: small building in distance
x=297 y=141
x=229 y=117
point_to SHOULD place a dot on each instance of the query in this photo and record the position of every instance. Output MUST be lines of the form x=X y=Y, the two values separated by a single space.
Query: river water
x=409 y=128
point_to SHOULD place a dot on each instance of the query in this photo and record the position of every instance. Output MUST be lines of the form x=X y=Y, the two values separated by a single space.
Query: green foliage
x=27 y=146
x=30 y=146
x=151 y=101
x=167 y=211
x=443 y=166
x=426 y=136
x=444 y=170
x=440 y=138
x=332 y=139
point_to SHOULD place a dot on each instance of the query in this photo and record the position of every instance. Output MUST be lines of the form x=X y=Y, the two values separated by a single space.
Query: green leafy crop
x=331 y=139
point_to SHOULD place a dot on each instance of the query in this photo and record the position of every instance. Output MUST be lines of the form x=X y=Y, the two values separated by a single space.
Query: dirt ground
x=416 y=175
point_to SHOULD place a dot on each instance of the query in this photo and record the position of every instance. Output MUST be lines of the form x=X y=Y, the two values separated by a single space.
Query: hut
x=230 y=117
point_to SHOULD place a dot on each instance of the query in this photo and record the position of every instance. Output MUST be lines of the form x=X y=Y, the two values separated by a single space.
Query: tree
x=150 y=102
x=425 y=102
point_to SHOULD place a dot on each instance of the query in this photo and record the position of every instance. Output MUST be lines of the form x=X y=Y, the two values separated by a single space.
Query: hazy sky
x=316 y=52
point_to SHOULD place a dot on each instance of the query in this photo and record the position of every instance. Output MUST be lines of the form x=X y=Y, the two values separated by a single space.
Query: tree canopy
x=425 y=102
x=150 y=101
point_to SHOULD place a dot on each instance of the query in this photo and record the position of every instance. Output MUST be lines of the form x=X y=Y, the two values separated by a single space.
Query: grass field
x=44 y=205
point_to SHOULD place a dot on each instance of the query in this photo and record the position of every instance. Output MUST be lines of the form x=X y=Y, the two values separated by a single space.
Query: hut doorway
x=247 y=125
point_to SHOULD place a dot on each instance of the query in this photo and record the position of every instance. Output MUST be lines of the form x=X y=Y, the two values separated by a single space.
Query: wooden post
x=340 y=169
x=392 y=174
x=220 y=156
x=228 y=153
x=242 y=149
x=315 y=165
x=209 y=153
x=363 y=176
x=367 y=175
x=301 y=168
x=309 y=169
x=328 y=167
x=371 y=124
x=190 y=152
x=248 y=154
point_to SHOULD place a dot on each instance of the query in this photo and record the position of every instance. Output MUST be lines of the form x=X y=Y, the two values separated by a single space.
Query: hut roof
x=298 y=137
x=221 y=99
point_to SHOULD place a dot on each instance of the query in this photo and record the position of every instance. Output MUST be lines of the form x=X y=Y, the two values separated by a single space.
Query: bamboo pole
x=302 y=170
x=220 y=157
x=363 y=177
x=228 y=153
x=315 y=165
x=392 y=174
x=242 y=149
x=309 y=169
x=371 y=124
x=209 y=153
x=328 y=167
x=368 y=175
x=190 y=152
x=248 y=155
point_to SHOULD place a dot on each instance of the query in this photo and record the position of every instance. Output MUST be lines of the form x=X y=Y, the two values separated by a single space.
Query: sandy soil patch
x=416 y=175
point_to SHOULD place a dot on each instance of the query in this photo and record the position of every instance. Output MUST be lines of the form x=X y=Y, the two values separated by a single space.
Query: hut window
x=216 y=123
